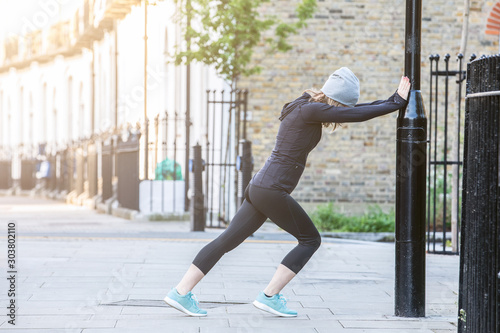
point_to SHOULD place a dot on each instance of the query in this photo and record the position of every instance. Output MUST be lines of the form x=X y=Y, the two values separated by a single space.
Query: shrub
x=327 y=218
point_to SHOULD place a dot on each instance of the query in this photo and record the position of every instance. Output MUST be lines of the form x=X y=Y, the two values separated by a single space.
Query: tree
x=224 y=33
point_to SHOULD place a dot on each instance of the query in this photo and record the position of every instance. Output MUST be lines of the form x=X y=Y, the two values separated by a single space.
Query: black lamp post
x=410 y=180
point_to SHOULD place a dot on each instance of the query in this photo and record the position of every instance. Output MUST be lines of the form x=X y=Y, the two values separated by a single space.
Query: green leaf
x=224 y=33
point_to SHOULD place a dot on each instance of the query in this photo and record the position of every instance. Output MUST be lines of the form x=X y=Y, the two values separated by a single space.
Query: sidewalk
x=79 y=271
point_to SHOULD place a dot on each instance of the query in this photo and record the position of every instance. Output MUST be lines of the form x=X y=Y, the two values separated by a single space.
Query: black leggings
x=259 y=204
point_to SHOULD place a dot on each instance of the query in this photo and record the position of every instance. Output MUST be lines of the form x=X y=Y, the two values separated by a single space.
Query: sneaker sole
x=176 y=305
x=266 y=308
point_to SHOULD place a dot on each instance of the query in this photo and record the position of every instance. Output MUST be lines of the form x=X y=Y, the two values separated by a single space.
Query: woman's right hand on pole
x=404 y=87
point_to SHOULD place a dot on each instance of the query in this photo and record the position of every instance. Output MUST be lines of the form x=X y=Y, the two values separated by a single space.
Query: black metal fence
x=226 y=120
x=5 y=174
x=80 y=176
x=479 y=300
x=127 y=171
x=107 y=165
x=107 y=159
x=64 y=170
x=91 y=169
x=142 y=166
x=51 y=176
x=163 y=187
x=444 y=155
x=28 y=174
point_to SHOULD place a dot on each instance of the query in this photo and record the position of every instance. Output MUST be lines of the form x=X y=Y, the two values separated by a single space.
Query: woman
x=268 y=194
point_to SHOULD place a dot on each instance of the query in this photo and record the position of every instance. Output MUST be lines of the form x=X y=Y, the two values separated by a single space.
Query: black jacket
x=300 y=131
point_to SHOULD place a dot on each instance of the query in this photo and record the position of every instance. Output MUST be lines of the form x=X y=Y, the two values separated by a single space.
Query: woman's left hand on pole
x=404 y=87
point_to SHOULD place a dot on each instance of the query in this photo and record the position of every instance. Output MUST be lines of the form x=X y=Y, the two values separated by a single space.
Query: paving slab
x=83 y=272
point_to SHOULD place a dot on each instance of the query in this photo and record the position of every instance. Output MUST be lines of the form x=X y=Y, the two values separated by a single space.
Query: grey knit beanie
x=342 y=86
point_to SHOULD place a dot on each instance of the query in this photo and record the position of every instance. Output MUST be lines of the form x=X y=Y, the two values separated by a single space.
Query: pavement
x=80 y=271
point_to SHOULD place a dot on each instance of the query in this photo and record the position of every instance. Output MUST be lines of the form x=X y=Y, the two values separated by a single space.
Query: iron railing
x=226 y=120
x=163 y=182
x=444 y=164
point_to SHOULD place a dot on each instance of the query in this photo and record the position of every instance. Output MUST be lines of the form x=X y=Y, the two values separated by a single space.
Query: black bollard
x=479 y=293
x=411 y=180
x=244 y=166
x=196 y=205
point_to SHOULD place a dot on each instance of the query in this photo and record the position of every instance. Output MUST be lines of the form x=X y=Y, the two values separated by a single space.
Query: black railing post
x=92 y=168
x=197 y=209
x=244 y=166
x=429 y=158
x=107 y=153
x=79 y=185
x=410 y=180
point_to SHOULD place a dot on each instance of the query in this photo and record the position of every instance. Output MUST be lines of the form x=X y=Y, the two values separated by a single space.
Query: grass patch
x=327 y=218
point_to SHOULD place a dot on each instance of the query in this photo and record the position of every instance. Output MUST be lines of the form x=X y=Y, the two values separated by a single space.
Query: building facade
x=355 y=164
x=77 y=71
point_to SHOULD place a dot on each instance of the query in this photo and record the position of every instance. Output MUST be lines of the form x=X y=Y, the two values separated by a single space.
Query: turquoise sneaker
x=184 y=303
x=275 y=305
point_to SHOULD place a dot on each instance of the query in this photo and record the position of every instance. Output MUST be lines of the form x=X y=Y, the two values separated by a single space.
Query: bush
x=327 y=218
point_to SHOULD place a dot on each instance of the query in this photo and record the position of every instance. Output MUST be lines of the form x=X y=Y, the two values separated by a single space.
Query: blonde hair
x=319 y=97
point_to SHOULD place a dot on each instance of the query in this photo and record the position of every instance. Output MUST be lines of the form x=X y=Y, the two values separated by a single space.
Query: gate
x=127 y=162
x=162 y=187
x=443 y=184
x=226 y=120
x=28 y=171
x=107 y=170
x=92 y=169
x=5 y=175
x=479 y=297
x=65 y=174
x=80 y=162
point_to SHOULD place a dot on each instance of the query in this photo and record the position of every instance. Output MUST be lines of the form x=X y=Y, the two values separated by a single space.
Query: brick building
x=355 y=164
